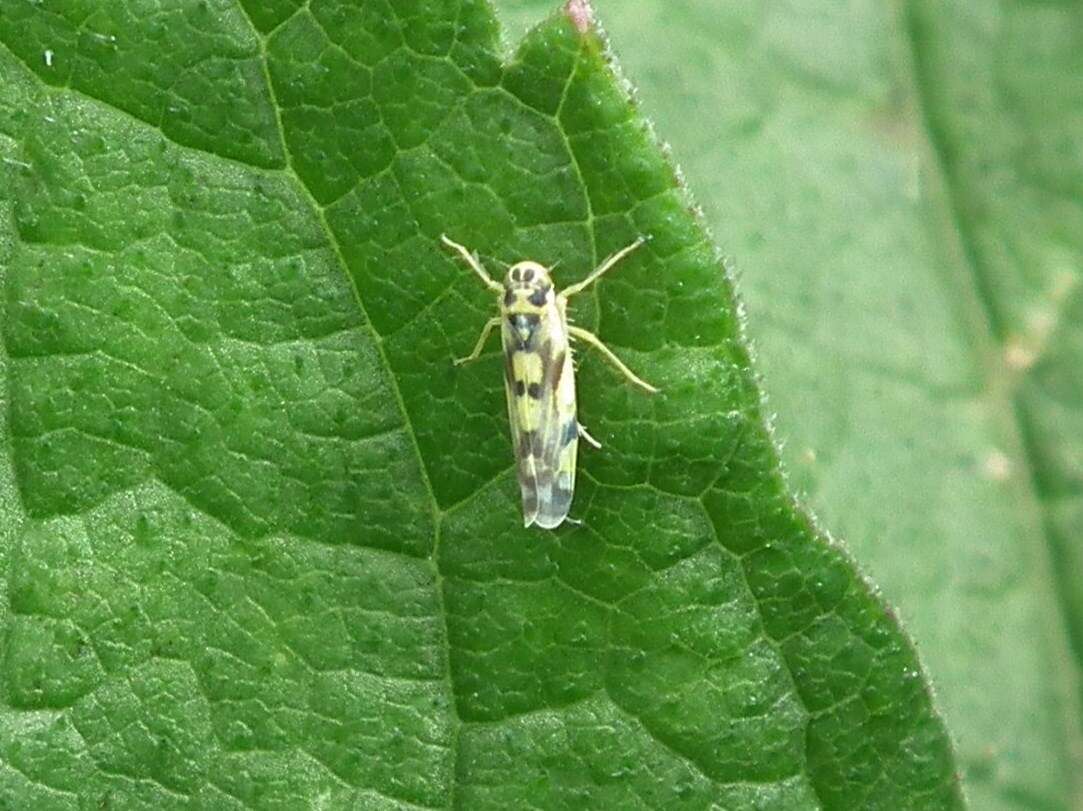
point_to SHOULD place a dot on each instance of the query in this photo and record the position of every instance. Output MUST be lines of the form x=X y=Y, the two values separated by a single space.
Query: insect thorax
x=528 y=298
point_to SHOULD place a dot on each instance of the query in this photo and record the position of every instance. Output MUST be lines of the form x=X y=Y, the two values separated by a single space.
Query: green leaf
x=900 y=186
x=262 y=545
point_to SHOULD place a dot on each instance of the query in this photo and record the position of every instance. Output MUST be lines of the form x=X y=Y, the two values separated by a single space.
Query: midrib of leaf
x=12 y=512
x=377 y=339
x=578 y=169
x=1000 y=389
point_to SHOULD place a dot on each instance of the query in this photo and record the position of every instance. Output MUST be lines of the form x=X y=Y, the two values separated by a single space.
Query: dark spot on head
x=520 y=388
x=540 y=296
x=514 y=274
x=534 y=390
x=528 y=274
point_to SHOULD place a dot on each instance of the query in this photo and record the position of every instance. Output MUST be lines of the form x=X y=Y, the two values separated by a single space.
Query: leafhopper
x=540 y=379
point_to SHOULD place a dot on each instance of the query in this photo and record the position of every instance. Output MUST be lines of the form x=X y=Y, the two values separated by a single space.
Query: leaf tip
x=581 y=14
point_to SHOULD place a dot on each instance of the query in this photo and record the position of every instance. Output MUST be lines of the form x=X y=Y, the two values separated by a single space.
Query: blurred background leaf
x=901 y=187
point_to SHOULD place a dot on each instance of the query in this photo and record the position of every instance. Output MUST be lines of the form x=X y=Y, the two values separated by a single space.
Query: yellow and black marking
x=540 y=380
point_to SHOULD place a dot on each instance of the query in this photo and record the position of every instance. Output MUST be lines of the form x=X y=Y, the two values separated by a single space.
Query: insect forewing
x=540 y=387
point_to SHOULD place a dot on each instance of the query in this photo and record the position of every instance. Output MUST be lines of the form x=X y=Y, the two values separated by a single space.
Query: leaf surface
x=261 y=539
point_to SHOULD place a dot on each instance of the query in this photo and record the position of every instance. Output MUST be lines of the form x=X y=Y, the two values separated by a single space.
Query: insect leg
x=472 y=260
x=602 y=268
x=492 y=322
x=593 y=340
x=594 y=443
